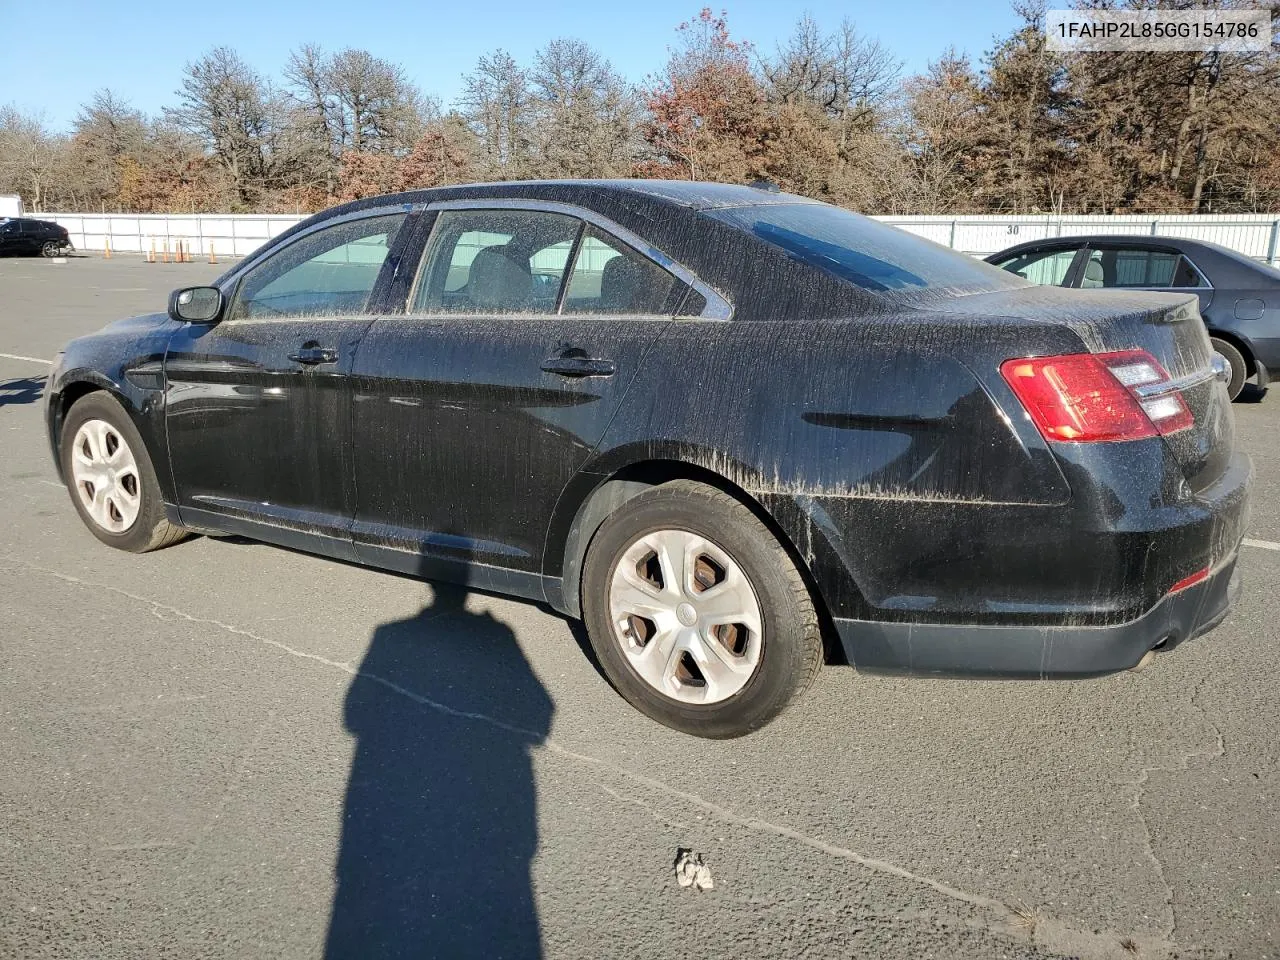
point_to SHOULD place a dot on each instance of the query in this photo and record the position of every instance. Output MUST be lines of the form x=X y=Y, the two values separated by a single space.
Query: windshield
x=872 y=255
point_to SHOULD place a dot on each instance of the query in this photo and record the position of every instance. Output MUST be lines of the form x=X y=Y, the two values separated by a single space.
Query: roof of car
x=1143 y=239
x=694 y=195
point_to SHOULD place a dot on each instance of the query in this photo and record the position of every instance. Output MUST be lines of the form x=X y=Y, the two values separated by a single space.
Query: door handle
x=312 y=355
x=578 y=366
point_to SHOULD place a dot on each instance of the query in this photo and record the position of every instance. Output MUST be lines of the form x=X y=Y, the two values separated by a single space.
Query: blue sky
x=56 y=54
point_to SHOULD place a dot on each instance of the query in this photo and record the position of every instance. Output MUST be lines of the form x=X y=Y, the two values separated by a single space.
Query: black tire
x=791 y=651
x=150 y=530
x=1235 y=359
x=50 y=249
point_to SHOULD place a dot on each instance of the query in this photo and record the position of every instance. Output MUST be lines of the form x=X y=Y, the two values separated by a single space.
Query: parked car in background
x=23 y=235
x=1239 y=297
x=721 y=425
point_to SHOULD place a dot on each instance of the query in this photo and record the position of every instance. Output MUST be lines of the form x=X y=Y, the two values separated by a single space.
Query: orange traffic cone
x=107 y=252
x=212 y=258
x=165 y=257
x=151 y=254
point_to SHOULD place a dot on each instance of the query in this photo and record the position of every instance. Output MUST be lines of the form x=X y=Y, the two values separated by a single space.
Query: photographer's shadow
x=440 y=823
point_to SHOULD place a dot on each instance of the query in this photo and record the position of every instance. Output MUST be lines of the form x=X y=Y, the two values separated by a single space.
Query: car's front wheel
x=108 y=472
x=697 y=614
x=1235 y=362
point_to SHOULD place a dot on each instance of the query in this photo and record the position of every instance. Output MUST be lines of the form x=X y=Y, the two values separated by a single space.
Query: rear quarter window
x=864 y=252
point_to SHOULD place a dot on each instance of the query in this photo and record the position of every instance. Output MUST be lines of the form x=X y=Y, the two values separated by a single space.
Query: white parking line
x=17 y=356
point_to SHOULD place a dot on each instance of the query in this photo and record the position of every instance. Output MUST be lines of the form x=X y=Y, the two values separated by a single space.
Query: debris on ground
x=692 y=870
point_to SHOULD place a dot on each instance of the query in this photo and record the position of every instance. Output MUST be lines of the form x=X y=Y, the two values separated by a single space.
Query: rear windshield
x=870 y=254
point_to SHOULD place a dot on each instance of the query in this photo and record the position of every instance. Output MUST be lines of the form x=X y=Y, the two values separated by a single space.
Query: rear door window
x=495 y=262
x=1137 y=268
x=610 y=278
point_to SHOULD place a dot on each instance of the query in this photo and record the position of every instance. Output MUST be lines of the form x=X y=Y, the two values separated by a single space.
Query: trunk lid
x=1168 y=326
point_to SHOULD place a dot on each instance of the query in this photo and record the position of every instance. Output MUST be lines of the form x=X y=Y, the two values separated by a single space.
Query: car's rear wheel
x=697 y=614
x=51 y=248
x=110 y=477
x=1235 y=361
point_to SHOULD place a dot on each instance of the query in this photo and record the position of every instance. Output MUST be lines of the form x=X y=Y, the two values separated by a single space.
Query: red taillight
x=1089 y=397
x=1190 y=581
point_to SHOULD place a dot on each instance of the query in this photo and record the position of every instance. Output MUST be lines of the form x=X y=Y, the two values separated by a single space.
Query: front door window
x=329 y=273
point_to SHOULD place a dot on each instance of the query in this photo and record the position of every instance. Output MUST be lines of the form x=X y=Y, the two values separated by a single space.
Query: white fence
x=1256 y=235
x=230 y=235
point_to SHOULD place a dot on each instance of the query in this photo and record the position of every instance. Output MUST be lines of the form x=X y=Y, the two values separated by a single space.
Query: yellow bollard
x=212 y=258
x=151 y=254
x=107 y=253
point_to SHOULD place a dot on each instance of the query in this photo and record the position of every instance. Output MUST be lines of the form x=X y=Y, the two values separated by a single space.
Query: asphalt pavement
x=226 y=749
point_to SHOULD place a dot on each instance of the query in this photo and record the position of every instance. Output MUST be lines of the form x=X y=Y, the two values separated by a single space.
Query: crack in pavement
x=1048 y=932
x=645 y=805
x=1182 y=764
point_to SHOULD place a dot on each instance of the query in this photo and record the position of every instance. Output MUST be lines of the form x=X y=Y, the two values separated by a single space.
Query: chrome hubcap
x=686 y=616
x=105 y=475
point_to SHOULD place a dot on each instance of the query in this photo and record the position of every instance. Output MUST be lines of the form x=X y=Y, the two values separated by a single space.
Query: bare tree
x=317 y=127
x=585 y=114
x=943 y=128
x=31 y=157
x=378 y=108
x=499 y=107
x=238 y=116
x=829 y=94
x=844 y=74
x=708 y=119
x=106 y=132
x=1024 y=96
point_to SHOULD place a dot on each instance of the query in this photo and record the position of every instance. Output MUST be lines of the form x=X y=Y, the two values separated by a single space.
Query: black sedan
x=23 y=235
x=736 y=432
x=1239 y=297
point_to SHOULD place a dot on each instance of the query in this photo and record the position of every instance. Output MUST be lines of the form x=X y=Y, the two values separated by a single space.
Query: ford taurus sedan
x=737 y=432
x=1239 y=297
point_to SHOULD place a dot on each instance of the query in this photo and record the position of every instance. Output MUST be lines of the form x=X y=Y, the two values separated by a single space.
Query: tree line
x=826 y=113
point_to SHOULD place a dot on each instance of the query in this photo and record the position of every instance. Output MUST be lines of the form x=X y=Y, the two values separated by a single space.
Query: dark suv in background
x=22 y=235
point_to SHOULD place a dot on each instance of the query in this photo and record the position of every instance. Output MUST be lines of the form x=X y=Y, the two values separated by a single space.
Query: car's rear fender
x=1253 y=324
x=799 y=417
x=593 y=497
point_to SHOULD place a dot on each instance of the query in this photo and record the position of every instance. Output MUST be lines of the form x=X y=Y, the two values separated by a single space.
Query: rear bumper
x=1039 y=652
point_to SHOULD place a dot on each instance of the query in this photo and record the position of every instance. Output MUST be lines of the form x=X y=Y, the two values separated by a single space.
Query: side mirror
x=196 y=305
